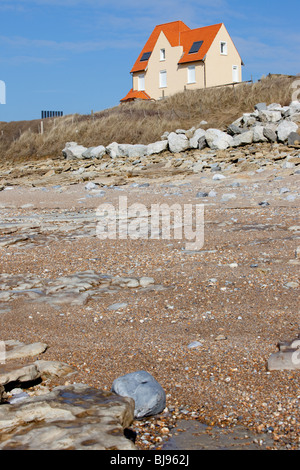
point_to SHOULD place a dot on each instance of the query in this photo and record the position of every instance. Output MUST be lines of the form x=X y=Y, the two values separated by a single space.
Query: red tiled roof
x=132 y=95
x=172 y=32
x=177 y=34
x=206 y=34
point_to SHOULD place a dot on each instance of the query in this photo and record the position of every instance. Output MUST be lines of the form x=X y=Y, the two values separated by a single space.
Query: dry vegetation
x=140 y=122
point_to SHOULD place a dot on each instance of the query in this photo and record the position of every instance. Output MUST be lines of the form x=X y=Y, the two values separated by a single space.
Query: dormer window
x=223 y=48
x=145 y=56
x=195 y=47
x=163 y=54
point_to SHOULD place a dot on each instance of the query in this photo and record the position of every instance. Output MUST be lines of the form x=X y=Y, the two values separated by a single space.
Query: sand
x=233 y=300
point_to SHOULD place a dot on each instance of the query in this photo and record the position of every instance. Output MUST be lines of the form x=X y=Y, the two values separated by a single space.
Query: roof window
x=145 y=56
x=195 y=47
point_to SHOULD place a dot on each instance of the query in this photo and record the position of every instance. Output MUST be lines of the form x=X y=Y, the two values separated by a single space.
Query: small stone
x=263 y=204
x=220 y=338
x=146 y=281
x=218 y=177
x=89 y=186
x=292 y=284
x=194 y=344
x=117 y=306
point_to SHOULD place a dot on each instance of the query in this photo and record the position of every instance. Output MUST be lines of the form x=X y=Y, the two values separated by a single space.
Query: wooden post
x=42 y=128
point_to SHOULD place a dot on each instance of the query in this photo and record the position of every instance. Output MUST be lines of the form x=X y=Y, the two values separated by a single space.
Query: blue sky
x=75 y=55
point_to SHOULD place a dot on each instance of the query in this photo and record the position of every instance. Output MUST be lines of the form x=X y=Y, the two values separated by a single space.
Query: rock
x=157 y=147
x=27 y=373
x=288 y=165
x=149 y=396
x=228 y=197
x=136 y=151
x=243 y=139
x=232 y=129
x=194 y=345
x=295 y=117
x=292 y=285
x=26 y=350
x=194 y=140
x=146 y=281
x=53 y=369
x=94 y=152
x=269 y=116
x=117 y=306
x=202 y=194
x=293 y=108
x=284 y=129
x=165 y=136
x=270 y=134
x=197 y=167
x=89 y=186
x=177 y=142
x=294 y=138
x=218 y=177
x=73 y=151
x=263 y=203
x=218 y=140
x=249 y=119
x=74 y=417
x=283 y=190
x=113 y=150
x=260 y=106
x=258 y=134
x=274 y=107
x=287 y=358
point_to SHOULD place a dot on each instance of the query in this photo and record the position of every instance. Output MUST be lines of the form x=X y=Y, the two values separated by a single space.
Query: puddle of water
x=199 y=436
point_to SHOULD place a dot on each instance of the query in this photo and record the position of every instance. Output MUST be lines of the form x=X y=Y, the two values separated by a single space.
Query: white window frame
x=223 y=47
x=162 y=79
x=141 y=82
x=191 y=74
x=162 y=55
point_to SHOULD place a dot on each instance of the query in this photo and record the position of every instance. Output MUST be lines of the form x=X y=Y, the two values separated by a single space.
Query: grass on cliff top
x=140 y=122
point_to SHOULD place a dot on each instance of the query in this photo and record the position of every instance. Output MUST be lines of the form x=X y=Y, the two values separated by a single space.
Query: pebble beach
x=206 y=321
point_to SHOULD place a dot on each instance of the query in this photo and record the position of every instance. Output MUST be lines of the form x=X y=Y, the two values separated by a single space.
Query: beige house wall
x=218 y=66
x=217 y=69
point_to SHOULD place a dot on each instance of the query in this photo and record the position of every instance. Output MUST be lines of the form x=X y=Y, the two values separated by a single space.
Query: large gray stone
x=136 y=151
x=258 y=134
x=270 y=134
x=178 y=142
x=284 y=129
x=95 y=152
x=157 y=147
x=194 y=140
x=260 y=106
x=73 y=151
x=113 y=150
x=270 y=116
x=294 y=138
x=243 y=139
x=218 y=140
x=293 y=108
x=232 y=129
x=149 y=396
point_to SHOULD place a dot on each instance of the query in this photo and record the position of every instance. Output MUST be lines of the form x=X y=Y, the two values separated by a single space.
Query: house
x=176 y=58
